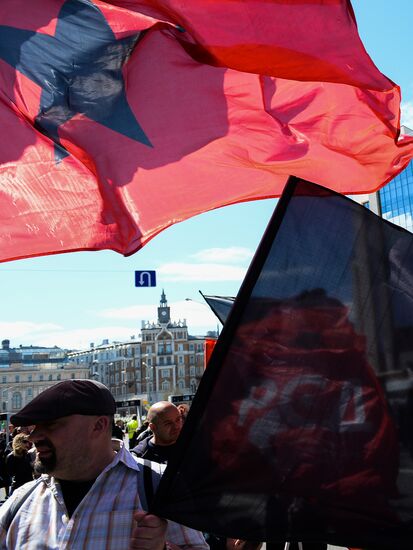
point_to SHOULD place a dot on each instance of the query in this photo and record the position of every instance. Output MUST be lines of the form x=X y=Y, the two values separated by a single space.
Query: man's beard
x=45 y=464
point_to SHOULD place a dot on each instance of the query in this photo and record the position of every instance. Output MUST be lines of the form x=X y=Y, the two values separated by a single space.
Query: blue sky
x=71 y=300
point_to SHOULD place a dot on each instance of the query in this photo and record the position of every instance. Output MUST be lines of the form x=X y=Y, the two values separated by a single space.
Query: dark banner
x=302 y=427
x=220 y=305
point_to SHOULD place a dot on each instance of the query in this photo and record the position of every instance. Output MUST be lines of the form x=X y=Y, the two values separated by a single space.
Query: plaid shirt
x=103 y=520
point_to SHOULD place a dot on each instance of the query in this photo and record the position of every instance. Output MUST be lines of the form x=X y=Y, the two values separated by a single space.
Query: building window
x=396 y=199
x=169 y=360
x=29 y=378
x=59 y=377
x=180 y=359
x=41 y=377
x=193 y=386
x=191 y=347
x=181 y=371
x=17 y=378
x=165 y=385
x=191 y=371
x=180 y=347
x=16 y=402
x=4 y=380
x=191 y=360
x=165 y=373
x=181 y=384
x=29 y=392
x=50 y=377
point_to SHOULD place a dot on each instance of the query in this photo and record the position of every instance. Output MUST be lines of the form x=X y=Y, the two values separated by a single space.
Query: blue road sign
x=145 y=278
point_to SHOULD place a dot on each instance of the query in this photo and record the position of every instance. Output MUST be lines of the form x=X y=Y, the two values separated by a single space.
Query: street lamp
x=148 y=380
x=127 y=384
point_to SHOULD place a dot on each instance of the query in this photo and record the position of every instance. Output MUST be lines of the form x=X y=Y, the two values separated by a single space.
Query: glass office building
x=396 y=199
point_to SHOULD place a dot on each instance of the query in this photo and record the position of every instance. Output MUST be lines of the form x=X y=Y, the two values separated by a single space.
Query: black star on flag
x=79 y=70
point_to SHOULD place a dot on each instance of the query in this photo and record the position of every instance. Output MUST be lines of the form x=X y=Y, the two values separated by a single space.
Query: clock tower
x=164 y=315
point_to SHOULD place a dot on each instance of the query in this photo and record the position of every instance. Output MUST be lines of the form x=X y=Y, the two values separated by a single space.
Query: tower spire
x=164 y=313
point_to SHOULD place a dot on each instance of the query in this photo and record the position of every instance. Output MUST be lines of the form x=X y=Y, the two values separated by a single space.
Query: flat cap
x=65 y=398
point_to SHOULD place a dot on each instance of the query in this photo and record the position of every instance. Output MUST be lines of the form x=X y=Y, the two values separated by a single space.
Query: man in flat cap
x=88 y=496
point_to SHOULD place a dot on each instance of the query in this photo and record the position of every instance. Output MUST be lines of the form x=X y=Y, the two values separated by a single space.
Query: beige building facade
x=27 y=371
x=164 y=360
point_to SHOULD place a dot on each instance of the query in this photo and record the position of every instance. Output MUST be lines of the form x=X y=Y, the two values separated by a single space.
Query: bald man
x=165 y=421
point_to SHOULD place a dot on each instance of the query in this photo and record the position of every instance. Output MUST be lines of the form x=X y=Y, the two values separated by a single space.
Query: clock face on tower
x=163 y=314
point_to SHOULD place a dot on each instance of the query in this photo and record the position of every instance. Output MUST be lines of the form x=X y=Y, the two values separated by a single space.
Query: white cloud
x=232 y=254
x=136 y=312
x=21 y=329
x=407 y=113
x=82 y=337
x=198 y=315
x=49 y=334
x=200 y=272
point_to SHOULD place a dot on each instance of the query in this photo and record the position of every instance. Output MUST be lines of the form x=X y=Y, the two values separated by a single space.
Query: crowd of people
x=88 y=490
x=17 y=458
x=72 y=483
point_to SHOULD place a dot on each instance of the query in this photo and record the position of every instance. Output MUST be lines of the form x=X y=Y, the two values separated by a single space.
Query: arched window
x=181 y=384
x=165 y=385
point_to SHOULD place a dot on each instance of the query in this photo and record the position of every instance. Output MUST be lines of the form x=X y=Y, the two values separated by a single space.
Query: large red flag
x=121 y=118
